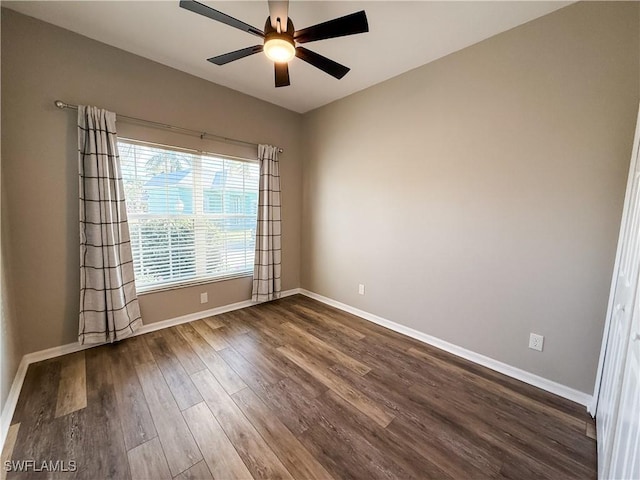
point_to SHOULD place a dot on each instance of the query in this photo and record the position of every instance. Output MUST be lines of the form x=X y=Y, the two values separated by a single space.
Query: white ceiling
x=402 y=36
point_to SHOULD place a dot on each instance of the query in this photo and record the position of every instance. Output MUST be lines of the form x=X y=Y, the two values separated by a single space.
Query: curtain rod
x=62 y=105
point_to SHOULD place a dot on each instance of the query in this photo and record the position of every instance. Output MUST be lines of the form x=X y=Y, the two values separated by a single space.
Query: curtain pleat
x=266 y=272
x=109 y=309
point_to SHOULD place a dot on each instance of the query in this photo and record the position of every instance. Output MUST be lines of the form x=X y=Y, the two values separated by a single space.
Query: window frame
x=143 y=290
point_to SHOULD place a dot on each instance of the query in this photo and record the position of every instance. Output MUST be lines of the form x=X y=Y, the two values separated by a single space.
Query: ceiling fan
x=281 y=43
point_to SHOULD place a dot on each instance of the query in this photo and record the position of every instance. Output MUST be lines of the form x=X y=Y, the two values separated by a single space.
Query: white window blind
x=192 y=217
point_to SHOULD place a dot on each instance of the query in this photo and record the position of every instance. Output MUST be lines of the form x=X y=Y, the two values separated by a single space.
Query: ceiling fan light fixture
x=279 y=44
x=279 y=50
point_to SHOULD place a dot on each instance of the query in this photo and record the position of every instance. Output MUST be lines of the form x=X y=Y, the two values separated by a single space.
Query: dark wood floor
x=292 y=388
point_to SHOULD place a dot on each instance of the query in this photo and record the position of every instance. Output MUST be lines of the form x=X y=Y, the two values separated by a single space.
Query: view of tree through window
x=192 y=217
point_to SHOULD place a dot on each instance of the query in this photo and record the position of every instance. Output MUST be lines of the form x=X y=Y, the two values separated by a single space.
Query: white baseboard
x=12 y=400
x=522 y=375
x=39 y=356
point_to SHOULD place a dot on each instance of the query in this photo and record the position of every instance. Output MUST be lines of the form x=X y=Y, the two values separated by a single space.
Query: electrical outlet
x=536 y=341
x=204 y=297
x=361 y=289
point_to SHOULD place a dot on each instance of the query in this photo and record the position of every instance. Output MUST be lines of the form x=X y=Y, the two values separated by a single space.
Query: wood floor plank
x=182 y=350
x=138 y=350
x=491 y=408
x=35 y=412
x=147 y=462
x=443 y=447
x=250 y=374
x=276 y=393
x=335 y=383
x=516 y=467
x=441 y=406
x=492 y=435
x=199 y=471
x=72 y=391
x=177 y=442
x=268 y=333
x=263 y=356
x=285 y=445
x=385 y=391
x=317 y=346
x=214 y=322
x=391 y=360
x=229 y=379
x=36 y=444
x=365 y=328
x=330 y=322
x=344 y=432
x=180 y=384
x=137 y=425
x=374 y=357
x=275 y=314
x=263 y=313
x=508 y=413
x=235 y=322
x=505 y=392
x=295 y=409
x=218 y=452
x=405 y=458
x=254 y=451
x=457 y=449
x=211 y=335
x=105 y=440
x=38 y=397
x=72 y=433
x=338 y=456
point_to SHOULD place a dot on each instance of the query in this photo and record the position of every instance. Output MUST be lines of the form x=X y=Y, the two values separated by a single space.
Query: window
x=192 y=217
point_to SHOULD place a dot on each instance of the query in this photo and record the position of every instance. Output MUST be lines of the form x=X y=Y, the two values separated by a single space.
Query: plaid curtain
x=109 y=308
x=266 y=271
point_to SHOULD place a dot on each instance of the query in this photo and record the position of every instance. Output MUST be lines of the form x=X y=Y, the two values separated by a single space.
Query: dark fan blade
x=323 y=63
x=282 y=74
x=237 y=55
x=220 y=17
x=338 y=27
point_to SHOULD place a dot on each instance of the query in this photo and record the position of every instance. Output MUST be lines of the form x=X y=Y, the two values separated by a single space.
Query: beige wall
x=41 y=63
x=10 y=341
x=478 y=197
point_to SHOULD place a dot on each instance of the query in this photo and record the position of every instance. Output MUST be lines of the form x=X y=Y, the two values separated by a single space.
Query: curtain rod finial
x=59 y=104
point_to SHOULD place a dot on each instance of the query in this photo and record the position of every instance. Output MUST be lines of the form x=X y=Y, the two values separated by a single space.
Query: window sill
x=175 y=286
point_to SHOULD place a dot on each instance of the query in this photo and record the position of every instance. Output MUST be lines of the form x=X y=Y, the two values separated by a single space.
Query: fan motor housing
x=271 y=33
